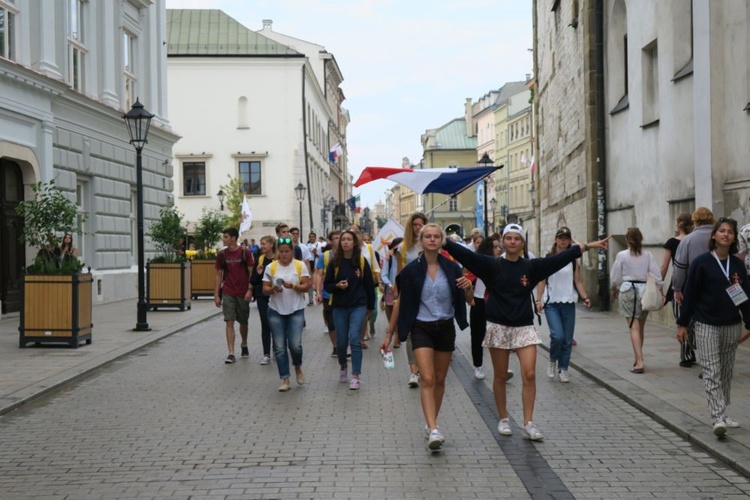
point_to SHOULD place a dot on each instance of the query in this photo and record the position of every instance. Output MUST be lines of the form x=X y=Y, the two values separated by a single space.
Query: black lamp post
x=493 y=206
x=300 y=191
x=485 y=161
x=138 y=120
x=220 y=194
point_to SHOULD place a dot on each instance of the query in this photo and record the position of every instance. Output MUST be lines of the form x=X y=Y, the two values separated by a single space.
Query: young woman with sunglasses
x=287 y=282
x=715 y=298
x=348 y=279
x=510 y=282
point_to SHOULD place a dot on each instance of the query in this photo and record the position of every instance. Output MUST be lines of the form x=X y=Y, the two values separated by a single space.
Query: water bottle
x=388 y=362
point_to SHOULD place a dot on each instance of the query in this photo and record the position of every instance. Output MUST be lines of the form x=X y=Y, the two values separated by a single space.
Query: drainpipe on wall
x=601 y=160
x=307 y=162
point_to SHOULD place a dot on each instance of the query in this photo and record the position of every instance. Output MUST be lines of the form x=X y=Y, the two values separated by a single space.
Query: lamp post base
x=142 y=327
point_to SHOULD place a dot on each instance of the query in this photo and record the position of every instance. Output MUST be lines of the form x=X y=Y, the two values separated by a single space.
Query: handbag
x=653 y=297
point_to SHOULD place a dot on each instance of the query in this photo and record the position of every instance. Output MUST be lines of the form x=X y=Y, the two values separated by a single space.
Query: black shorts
x=439 y=335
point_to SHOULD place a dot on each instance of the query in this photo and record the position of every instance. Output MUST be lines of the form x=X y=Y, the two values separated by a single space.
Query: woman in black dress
x=684 y=227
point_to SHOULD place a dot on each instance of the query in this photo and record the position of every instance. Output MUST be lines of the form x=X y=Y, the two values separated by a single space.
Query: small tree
x=234 y=196
x=45 y=218
x=208 y=231
x=168 y=233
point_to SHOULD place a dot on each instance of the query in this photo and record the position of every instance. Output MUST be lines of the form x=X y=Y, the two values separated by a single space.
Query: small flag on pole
x=533 y=164
x=353 y=203
x=247 y=216
x=335 y=152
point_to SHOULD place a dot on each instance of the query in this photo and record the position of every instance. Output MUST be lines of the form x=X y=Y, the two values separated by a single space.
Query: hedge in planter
x=207 y=234
x=169 y=272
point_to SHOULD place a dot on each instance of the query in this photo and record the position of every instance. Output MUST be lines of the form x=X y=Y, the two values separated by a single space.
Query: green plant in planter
x=208 y=232
x=168 y=233
x=45 y=217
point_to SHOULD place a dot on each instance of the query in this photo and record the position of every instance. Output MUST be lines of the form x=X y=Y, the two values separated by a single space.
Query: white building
x=251 y=107
x=69 y=70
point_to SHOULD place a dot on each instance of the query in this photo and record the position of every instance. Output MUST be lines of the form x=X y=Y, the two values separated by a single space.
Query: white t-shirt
x=287 y=301
x=561 y=287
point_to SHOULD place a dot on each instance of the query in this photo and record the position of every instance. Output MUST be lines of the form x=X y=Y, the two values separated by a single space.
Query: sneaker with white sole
x=354 y=384
x=564 y=376
x=265 y=360
x=414 y=381
x=720 y=428
x=343 y=378
x=435 y=441
x=503 y=427
x=479 y=373
x=245 y=351
x=230 y=359
x=731 y=422
x=509 y=375
x=551 y=369
x=532 y=432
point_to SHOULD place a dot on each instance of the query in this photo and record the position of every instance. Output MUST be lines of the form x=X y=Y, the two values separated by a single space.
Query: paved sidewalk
x=672 y=395
x=26 y=374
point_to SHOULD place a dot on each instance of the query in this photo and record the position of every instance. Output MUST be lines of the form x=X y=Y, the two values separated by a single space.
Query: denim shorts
x=235 y=309
x=439 y=335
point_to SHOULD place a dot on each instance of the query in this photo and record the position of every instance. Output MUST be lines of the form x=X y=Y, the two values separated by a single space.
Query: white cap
x=514 y=228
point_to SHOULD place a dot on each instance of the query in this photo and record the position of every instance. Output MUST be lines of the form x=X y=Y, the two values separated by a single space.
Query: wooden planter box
x=202 y=276
x=56 y=309
x=168 y=285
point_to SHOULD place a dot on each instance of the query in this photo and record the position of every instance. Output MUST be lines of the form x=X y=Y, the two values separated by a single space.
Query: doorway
x=12 y=250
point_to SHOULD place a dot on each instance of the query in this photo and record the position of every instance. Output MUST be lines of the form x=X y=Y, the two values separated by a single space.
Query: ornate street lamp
x=220 y=194
x=485 y=161
x=138 y=121
x=300 y=191
x=493 y=206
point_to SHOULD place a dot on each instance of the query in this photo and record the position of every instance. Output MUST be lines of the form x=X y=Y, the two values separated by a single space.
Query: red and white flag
x=533 y=164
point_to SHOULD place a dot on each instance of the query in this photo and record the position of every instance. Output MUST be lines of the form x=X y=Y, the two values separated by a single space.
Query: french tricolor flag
x=450 y=181
x=335 y=152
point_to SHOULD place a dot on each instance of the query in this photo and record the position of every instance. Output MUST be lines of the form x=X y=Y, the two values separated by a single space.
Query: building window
x=650 y=81
x=194 y=177
x=129 y=64
x=250 y=177
x=8 y=15
x=76 y=47
x=453 y=204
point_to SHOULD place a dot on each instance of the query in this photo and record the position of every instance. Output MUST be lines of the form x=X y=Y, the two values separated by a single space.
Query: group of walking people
x=427 y=280
x=709 y=292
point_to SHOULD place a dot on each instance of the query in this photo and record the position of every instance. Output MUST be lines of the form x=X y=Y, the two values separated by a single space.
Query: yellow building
x=450 y=146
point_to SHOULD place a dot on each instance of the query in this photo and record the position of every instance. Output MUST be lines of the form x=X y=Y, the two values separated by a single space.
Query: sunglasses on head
x=727 y=219
x=284 y=240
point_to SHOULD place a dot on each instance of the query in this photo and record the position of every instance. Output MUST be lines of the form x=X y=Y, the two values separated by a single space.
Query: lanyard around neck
x=723 y=269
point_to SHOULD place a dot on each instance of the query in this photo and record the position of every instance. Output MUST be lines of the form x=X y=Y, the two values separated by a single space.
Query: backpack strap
x=297 y=267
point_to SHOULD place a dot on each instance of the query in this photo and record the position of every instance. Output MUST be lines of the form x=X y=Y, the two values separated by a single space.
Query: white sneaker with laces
x=414 y=381
x=564 y=376
x=435 y=441
x=720 y=428
x=479 y=373
x=265 y=360
x=729 y=422
x=532 y=432
x=503 y=427
x=551 y=369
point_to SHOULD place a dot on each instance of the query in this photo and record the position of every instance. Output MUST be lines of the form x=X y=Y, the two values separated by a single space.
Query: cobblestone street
x=173 y=421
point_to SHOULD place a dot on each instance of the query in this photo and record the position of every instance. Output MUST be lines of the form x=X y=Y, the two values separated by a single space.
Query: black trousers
x=478 y=326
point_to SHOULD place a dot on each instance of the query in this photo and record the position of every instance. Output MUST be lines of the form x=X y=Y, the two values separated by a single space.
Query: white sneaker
x=503 y=427
x=510 y=375
x=435 y=441
x=532 y=432
x=564 y=376
x=265 y=360
x=413 y=380
x=731 y=423
x=479 y=373
x=720 y=428
x=551 y=369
